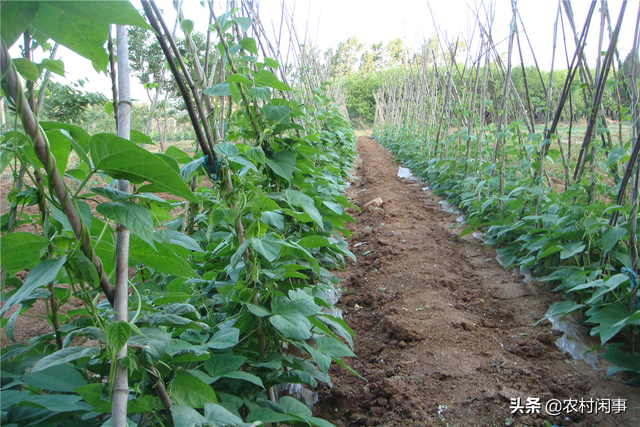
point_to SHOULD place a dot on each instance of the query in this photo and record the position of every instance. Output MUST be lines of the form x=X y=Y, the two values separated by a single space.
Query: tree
x=371 y=59
x=395 y=53
x=346 y=57
x=68 y=103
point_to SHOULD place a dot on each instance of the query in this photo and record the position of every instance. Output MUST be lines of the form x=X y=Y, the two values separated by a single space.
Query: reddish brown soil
x=444 y=335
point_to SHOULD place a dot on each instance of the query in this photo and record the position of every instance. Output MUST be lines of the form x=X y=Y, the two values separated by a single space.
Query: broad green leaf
x=335 y=207
x=130 y=423
x=314 y=241
x=82 y=35
x=570 y=249
x=249 y=44
x=153 y=342
x=117 y=334
x=106 y=11
x=277 y=113
x=27 y=69
x=132 y=215
x=186 y=171
x=550 y=251
x=227 y=149
x=611 y=236
x=299 y=199
x=268 y=248
x=112 y=194
x=54 y=65
x=184 y=415
x=271 y=63
x=41 y=274
x=246 y=376
x=221 y=415
x=292 y=326
x=243 y=162
x=64 y=378
x=295 y=407
x=238 y=78
x=263 y=93
x=77 y=136
x=6 y=157
x=13 y=397
x=609 y=319
x=222 y=89
x=298 y=377
x=191 y=391
x=59 y=402
x=222 y=364
x=256 y=155
x=162 y=259
x=21 y=250
x=139 y=137
x=257 y=310
x=173 y=164
x=84 y=211
x=267 y=415
x=245 y=23
x=333 y=347
x=94 y=394
x=179 y=155
x=267 y=78
x=283 y=164
x=224 y=338
x=120 y=158
x=172 y=298
x=60 y=148
x=187 y=26
x=273 y=219
x=177 y=238
x=15 y=17
x=66 y=355
x=615 y=155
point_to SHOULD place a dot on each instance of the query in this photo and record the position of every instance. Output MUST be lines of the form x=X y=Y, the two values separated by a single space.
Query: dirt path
x=444 y=335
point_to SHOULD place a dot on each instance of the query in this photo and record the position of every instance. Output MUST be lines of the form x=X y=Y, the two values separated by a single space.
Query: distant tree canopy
x=147 y=60
x=69 y=103
x=363 y=70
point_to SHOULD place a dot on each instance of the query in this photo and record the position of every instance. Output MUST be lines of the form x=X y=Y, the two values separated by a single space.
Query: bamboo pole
x=120 y=386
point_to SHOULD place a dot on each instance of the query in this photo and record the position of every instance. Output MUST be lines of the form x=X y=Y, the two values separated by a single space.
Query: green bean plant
x=232 y=241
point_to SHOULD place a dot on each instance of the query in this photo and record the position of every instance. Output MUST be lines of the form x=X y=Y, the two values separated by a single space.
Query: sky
x=328 y=22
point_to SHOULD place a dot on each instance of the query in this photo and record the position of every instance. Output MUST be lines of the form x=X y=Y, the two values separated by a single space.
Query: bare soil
x=444 y=336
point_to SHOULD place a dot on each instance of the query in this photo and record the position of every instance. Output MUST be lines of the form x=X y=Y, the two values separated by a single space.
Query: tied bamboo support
x=120 y=392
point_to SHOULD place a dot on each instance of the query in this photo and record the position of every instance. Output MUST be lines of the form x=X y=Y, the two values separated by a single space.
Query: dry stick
x=526 y=86
x=599 y=91
x=13 y=91
x=187 y=77
x=535 y=60
x=566 y=90
x=191 y=47
x=252 y=119
x=483 y=98
x=202 y=141
x=471 y=121
x=502 y=120
x=156 y=97
x=633 y=193
x=120 y=386
x=165 y=400
x=45 y=81
x=114 y=86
